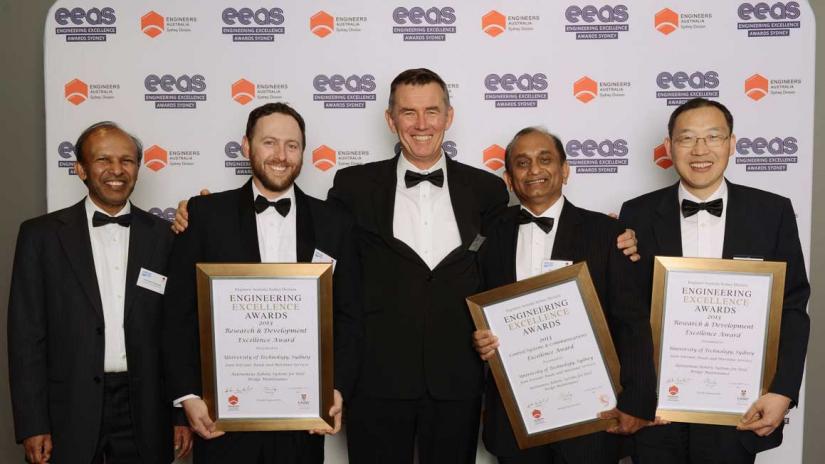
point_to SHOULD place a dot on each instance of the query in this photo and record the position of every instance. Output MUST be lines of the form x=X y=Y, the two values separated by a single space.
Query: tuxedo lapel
x=141 y=249
x=568 y=233
x=509 y=242
x=464 y=204
x=736 y=223
x=667 y=225
x=76 y=243
x=304 y=228
x=248 y=226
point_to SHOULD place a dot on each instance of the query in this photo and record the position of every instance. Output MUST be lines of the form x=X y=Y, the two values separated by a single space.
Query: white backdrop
x=183 y=75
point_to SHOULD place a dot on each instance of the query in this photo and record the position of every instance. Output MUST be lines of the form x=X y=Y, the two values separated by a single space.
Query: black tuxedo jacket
x=758 y=224
x=222 y=228
x=417 y=326
x=582 y=235
x=56 y=342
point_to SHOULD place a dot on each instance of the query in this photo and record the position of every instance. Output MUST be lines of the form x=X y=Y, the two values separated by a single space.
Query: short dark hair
x=103 y=126
x=698 y=103
x=271 y=108
x=418 y=76
x=532 y=130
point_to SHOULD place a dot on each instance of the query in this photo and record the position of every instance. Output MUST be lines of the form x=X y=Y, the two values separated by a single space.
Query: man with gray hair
x=84 y=320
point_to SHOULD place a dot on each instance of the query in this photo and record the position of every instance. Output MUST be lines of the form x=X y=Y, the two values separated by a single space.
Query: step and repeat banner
x=183 y=75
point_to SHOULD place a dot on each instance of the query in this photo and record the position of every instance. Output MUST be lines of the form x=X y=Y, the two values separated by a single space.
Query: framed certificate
x=266 y=345
x=556 y=367
x=715 y=335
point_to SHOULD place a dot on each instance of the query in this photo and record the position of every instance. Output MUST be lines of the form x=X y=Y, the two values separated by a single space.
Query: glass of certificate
x=556 y=368
x=266 y=345
x=715 y=329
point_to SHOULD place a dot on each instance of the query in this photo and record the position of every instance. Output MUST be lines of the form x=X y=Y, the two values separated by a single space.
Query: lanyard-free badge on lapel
x=151 y=281
x=321 y=257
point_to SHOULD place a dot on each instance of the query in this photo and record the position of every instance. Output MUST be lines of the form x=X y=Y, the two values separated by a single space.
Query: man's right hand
x=38 y=448
x=182 y=215
x=198 y=415
x=485 y=343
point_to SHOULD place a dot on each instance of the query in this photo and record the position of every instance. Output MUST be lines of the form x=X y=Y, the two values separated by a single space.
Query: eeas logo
x=167 y=214
x=66 y=157
x=769 y=20
x=323 y=158
x=666 y=21
x=253 y=25
x=590 y=22
x=76 y=91
x=175 y=92
x=493 y=157
x=585 y=89
x=152 y=24
x=493 y=23
x=339 y=92
x=322 y=24
x=155 y=158
x=243 y=91
x=512 y=91
x=593 y=157
x=236 y=161
x=82 y=25
x=679 y=87
x=756 y=87
x=763 y=154
x=418 y=24
x=661 y=158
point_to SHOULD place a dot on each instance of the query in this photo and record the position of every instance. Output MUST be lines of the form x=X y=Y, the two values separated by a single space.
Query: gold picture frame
x=579 y=274
x=663 y=267
x=319 y=272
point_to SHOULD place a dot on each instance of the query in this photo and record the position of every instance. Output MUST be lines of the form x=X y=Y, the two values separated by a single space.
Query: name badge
x=477 y=242
x=553 y=264
x=151 y=281
x=321 y=257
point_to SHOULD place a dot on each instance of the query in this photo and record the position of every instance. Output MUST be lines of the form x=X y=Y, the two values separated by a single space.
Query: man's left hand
x=766 y=414
x=627 y=243
x=335 y=413
x=626 y=425
x=183 y=441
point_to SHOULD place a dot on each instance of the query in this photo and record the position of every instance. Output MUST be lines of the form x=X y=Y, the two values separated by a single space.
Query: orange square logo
x=585 y=89
x=152 y=24
x=322 y=24
x=666 y=21
x=76 y=92
x=243 y=91
x=323 y=158
x=661 y=158
x=155 y=158
x=494 y=157
x=756 y=87
x=493 y=23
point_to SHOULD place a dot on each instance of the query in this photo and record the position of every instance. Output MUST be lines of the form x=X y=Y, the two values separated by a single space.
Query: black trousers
x=384 y=431
x=680 y=443
x=261 y=448
x=595 y=448
x=116 y=444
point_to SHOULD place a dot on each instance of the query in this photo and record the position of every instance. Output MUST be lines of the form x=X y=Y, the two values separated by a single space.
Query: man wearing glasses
x=704 y=215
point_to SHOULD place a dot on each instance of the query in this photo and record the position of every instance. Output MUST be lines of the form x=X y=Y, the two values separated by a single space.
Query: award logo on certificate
x=556 y=367
x=266 y=345
x=715 y=334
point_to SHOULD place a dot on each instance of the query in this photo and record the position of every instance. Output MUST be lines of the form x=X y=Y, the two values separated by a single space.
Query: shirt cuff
x=178 y=403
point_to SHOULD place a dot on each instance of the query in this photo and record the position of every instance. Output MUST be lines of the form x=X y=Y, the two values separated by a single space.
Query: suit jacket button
x=97 y=379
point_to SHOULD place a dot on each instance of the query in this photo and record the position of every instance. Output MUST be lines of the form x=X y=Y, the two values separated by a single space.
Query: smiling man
x=268 y=219
x=704 y=215
x=547 y=232
x=85 y=318
x=421 y=217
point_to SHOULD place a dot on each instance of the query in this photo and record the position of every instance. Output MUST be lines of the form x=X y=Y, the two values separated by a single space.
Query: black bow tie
x=544 y=223
x=100 y=219
x=413 y=178
x=281 y=206
x=689 y=208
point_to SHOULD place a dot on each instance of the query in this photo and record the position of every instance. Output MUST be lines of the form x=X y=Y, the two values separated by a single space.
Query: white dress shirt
x=110 y=251
x=423 y=217
x=534 y=247
x=703 y=234
x=276 y=233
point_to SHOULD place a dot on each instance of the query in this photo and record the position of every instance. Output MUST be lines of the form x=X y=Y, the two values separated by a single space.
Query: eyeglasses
x=712 y=141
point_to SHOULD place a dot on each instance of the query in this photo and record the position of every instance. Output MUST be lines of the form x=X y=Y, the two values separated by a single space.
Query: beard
x=271 y=182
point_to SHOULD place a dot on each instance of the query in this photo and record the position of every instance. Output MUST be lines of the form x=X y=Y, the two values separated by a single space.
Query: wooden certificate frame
x=207 y=275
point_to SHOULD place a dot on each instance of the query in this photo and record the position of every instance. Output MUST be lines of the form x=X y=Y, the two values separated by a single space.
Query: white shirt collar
x=91 y=207
x=290 y=193
x=721 y=192
x=404 y=165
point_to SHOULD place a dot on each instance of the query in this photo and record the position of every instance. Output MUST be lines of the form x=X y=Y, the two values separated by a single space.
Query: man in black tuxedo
x=85 y=320
x=548 y=232
x=240 y=226
x=703 y=215
x=420 y=217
